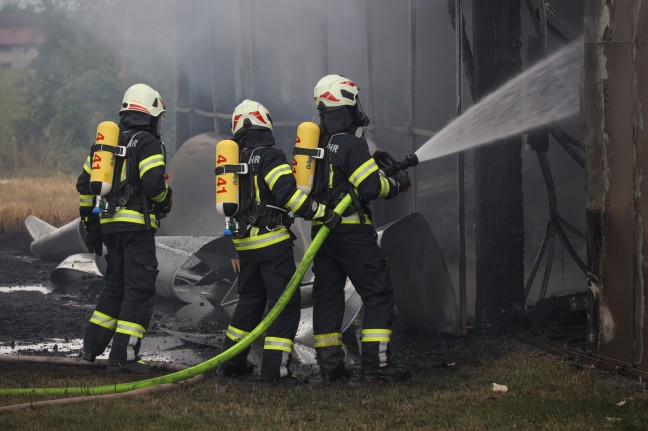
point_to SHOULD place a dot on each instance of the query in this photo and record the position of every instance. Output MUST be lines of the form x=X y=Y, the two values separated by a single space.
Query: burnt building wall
x=402 y=55
x=614 y=107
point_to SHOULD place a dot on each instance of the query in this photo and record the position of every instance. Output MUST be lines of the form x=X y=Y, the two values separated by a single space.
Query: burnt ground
x=31 y=320
x=27 y=315
x=37 y=323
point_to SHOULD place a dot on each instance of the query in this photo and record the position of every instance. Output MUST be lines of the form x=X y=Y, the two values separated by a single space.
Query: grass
x=544 y=393
x=53 y=199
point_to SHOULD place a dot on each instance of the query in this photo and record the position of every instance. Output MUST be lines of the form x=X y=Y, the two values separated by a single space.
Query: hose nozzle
x=407 y=162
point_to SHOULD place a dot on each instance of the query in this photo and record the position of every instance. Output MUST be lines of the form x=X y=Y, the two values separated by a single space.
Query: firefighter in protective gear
x=138 y=199
x=264 y=244
x=351 y=250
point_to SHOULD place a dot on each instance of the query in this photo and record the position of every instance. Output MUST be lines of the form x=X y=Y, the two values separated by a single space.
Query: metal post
x=461 y=208
x=251 y=23
x=412 y=110
x=368 y=61
x=543 y=23
x=325 y=38
x=212 y=63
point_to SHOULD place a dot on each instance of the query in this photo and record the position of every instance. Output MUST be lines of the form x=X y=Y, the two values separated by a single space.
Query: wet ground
x=37 y=319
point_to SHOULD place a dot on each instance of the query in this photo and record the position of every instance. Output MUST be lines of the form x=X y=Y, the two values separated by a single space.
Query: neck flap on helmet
x=141 y=121
x=253 y=138
x=344 y=119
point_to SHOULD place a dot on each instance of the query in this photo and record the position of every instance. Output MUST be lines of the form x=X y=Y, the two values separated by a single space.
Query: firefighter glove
x=93 y=239
x=165 y=206
x=400 y=181
x=331 y=219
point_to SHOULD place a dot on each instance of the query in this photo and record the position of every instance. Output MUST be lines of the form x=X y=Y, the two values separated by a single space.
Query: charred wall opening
x=498 y=170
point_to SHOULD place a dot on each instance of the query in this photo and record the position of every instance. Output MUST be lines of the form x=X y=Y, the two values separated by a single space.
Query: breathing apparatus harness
x=252 y=213
x=332 y=197
x=124 y=190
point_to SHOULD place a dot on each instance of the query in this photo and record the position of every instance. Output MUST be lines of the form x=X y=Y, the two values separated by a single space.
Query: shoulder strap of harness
x=331 y=197
x=248 y=207
x=123 y=187
x=316 y=153
x=320 y=190
x=117 y=150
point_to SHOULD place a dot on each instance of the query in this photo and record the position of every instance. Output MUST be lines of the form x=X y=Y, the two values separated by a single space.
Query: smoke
x=205 y=56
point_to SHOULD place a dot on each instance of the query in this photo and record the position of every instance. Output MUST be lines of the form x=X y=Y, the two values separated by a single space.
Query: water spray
x=544 y=93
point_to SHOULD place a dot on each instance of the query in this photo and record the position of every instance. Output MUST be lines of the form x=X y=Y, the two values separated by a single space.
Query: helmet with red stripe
x=250 y=114
x=335 y=91
x=142 y=98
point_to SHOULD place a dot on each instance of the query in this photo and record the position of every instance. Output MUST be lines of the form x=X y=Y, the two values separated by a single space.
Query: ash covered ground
x=38 y=319
x=52 y=323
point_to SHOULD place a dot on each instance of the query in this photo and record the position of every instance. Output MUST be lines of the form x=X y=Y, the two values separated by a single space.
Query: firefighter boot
x=239 y=365
x=331 y=363
x=137 y=367
x=275 y=368
x=337 y=374
x=289 y=380
x=377 y=364
x=95 y=340
x=236 y=368
x=87 y=356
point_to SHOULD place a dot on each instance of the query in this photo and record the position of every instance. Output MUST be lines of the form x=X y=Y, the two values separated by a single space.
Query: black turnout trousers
x=354 y=254
x=128 y=294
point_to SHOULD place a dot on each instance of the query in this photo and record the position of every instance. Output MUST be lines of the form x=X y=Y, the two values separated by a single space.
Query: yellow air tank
x=227 y=182
x=103 y=162
x=305 y=153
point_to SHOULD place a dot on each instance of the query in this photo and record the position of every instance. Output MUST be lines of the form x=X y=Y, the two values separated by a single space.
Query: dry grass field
x=544 y=393
x=53 y=199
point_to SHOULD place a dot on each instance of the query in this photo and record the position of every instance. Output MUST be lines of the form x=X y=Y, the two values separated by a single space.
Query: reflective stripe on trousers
x=325 y=340
x=383 y=338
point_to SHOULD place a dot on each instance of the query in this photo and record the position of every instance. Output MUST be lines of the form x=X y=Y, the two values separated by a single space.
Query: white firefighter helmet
x=250 y=114
x=142 y=98
x=334 y=91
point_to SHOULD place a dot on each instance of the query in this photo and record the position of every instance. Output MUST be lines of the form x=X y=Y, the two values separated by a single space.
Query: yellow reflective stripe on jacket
x=352 y=219
x=376 y=335
x=86 y=200
x=363 y=172
x=259 y=241
x=256 y=189
x=325 y=340
x=122 y=176
x=296 y=201
x=130 y=328
x=150 y=163
x=384 y=187
x=235 y=334
x=277 y=173
x=104 y=320
x=87 y=166
x=129 y=216
x=161 y=196
x=321 y=209
x=276 y=343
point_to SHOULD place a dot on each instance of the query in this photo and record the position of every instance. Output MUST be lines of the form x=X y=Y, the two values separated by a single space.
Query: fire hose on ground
x=214 y=362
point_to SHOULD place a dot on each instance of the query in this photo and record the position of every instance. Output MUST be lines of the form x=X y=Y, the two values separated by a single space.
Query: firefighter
x=351 y=250
x=138 y=199
x=264 y=244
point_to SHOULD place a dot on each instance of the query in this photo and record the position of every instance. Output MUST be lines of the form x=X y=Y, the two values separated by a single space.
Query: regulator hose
x=216 y=360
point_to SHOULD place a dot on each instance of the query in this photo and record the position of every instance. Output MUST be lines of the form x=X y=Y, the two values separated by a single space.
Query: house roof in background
x=19 y=36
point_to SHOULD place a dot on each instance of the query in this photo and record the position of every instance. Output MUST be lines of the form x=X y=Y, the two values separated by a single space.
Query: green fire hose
x=216 y=360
